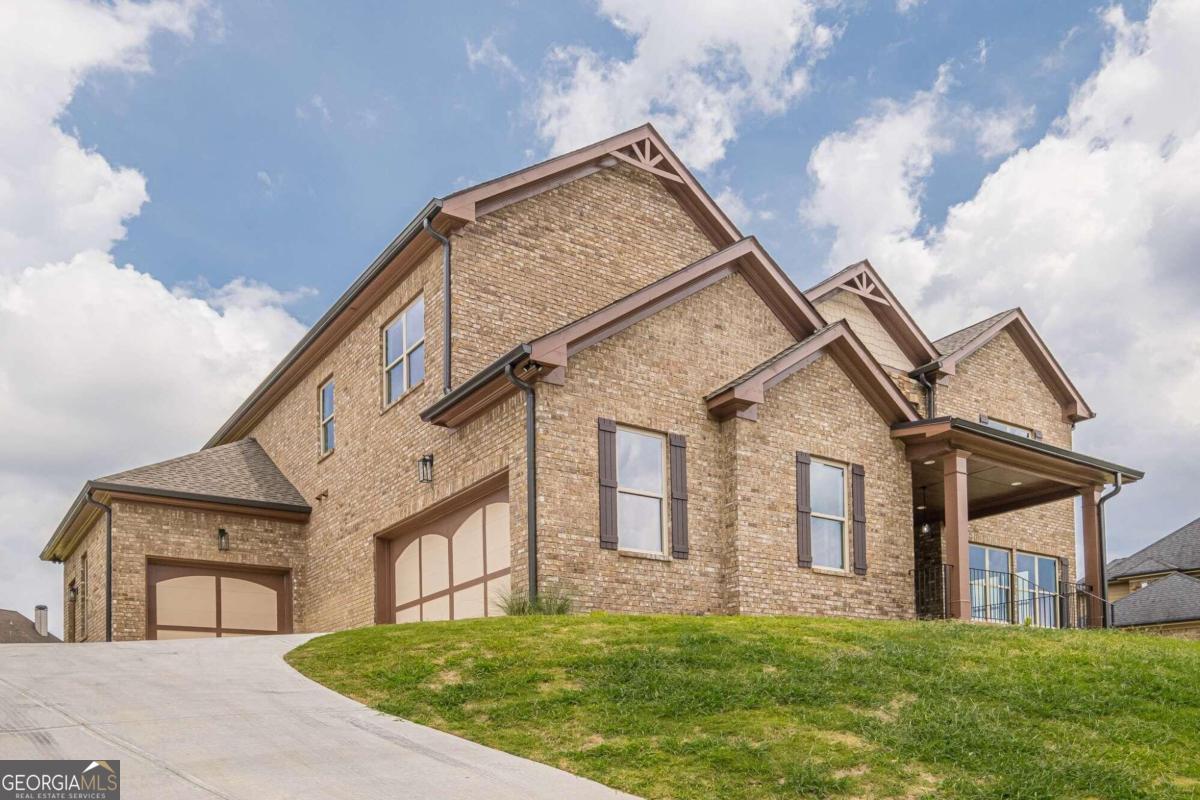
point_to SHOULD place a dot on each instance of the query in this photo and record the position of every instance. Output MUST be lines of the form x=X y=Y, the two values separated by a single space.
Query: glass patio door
x=991 y=589
x=1037 y=590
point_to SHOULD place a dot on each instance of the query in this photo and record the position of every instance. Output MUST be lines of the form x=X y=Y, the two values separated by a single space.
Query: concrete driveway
x=228 y=718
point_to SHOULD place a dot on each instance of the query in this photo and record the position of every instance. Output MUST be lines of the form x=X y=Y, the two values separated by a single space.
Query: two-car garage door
x=201 y=601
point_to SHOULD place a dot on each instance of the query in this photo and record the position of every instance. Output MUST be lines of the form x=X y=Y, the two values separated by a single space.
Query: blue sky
x=186 y=185
x=408 y=118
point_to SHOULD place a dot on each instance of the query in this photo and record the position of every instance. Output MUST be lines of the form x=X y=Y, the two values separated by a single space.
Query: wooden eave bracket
x=646 y=156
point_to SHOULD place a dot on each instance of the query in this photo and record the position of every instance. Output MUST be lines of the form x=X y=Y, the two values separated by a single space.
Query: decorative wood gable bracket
x=646 y=155
x=863 y=281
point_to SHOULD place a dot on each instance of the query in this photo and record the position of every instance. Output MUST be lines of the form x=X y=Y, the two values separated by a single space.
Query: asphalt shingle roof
x=1178 y=550
x=961 y=338
x=240 y=471
x=1175 y=598
x=16 y=628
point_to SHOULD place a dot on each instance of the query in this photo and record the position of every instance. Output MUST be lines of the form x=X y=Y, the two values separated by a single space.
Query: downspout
x=930 y=395
x=530 y=473
x=1104 y=498
x=108 y=570
x=432 y=231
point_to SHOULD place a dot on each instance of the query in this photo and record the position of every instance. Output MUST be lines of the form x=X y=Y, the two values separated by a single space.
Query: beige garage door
x=454 y=568
x=197 y=601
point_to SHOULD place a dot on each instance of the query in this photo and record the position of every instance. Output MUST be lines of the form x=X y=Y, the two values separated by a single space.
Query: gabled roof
x=641 y=147
x=962 y=343
x=863 y=280
x=16 y=628
x=1175 y=598
x=742 y=395
x=547 y=355
x=239 y=474
x=1178 y=550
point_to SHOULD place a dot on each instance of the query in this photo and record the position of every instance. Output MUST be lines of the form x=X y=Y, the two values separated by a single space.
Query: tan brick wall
x=146 y=530
x=90 y=622
x=999 y=381
x=539 y=264
x=818 y=410
x=653 y=375
x=523 y=270
x=853 y=309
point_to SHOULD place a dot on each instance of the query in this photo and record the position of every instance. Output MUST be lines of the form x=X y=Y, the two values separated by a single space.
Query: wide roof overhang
x=1006 y=472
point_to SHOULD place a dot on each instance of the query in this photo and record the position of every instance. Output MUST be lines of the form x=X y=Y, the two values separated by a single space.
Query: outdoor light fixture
x=425 y=468
x=1015 y=483
x=930 y=462
x=924 y=504
x=222 y=539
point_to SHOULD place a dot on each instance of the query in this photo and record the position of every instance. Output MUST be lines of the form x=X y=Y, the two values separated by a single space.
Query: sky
x=185 y=186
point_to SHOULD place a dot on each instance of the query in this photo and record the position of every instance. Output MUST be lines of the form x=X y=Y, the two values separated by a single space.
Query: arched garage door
x=456 y=567
x=201 y=601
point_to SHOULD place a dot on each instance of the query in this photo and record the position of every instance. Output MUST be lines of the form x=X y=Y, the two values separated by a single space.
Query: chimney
x=39 y=620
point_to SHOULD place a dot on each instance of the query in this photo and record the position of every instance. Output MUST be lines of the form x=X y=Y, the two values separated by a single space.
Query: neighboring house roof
x=742 y=395
x=962 y=343
x=1175 y=598
x=236 y=474
x=1178 y=550
x=864 y=281
x=16 y=628
x=642 y=148
x=547 y=355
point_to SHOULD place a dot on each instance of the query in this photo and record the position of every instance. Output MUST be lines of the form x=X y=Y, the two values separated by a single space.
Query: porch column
x=954 y=531
x=1091 y=554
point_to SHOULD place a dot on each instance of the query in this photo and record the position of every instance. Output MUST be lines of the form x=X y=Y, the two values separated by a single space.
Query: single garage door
x=456 y=567
x=197 y=601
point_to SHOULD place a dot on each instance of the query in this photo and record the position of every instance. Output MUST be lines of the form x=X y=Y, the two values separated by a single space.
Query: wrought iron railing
x=1008 y=598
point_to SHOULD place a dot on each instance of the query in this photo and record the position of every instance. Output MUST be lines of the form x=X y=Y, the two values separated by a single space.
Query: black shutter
x=608 y=483
x=859 y=503
x=803 y=511
x=679 y=497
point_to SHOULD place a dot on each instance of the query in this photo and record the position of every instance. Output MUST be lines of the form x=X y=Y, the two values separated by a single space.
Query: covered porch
x=964 y=471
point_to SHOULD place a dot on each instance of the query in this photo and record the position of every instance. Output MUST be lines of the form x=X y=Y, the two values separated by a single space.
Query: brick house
x=581 y=377
x=1157 y=589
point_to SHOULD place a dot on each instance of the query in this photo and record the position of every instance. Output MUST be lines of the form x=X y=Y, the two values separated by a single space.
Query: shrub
x=550 y=602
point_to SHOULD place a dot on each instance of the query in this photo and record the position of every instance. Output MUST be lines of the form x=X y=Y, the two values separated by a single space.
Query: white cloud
x=905 y=6
x=103 y=367
x=314 y=108
x=695 y=74
x=487 y=54
x=744 y=215
x=997 y=133
x=1092 y=230
x=981 y=52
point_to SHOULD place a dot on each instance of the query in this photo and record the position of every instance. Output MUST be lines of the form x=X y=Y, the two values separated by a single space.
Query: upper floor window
x=1007 y=427
x=327 y=432
x=827 y=492
x=640 y=509
x=404 y=351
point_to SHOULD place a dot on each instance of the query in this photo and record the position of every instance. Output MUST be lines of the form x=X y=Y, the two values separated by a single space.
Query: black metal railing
x=1008 y=598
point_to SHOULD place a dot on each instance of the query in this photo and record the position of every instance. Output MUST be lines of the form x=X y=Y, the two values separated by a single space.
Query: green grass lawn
x=744 y=707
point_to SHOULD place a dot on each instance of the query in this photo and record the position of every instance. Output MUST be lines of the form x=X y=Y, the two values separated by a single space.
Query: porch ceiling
x=1004 y=472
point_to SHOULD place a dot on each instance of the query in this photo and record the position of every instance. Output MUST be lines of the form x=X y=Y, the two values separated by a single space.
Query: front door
x=185 y=601
x=455 y=567
x=1037 y=590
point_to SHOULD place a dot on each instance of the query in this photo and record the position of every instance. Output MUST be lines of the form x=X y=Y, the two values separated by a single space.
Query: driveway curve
x=227 y=718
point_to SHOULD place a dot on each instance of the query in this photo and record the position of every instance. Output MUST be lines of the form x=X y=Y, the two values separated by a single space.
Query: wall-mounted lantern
x=222 y=539
x=425 y=468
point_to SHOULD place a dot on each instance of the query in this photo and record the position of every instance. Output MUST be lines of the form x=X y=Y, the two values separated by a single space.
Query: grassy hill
x=740 y=707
